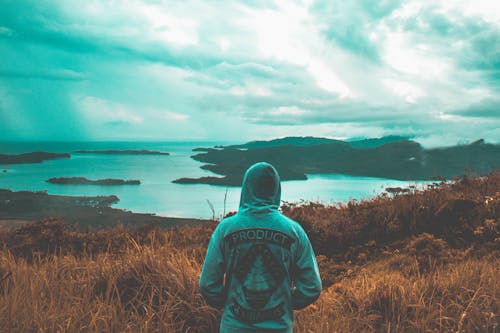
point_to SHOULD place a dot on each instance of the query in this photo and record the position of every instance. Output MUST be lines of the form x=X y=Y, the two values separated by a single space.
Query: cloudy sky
x=242 y=70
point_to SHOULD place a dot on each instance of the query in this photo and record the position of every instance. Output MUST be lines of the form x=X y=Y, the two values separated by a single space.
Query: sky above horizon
x=246 y=70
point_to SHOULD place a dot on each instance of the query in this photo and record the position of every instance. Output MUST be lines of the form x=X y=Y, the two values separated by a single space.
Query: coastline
x=160 y=194
x=82 y=212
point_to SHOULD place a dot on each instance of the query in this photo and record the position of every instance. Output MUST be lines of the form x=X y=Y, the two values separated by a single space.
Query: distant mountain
x=294 y=141
x=371 y=143
x=312 y=141
x=391 y=157
x=34 y=157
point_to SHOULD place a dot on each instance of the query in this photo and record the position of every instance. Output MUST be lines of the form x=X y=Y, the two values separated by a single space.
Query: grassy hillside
x=426 y=261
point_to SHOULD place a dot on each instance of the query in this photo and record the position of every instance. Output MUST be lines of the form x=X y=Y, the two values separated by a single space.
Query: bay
x=157 y=194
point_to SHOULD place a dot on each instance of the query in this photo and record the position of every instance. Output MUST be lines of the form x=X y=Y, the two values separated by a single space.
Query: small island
x=33 y=157
x=209 y=180
x=123 y=152
x=85 y=181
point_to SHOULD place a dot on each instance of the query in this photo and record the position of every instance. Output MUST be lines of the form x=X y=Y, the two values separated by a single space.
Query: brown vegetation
x=425 y=261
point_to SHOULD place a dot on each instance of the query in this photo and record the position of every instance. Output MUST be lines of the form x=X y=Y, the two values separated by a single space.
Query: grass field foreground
x=424 y=261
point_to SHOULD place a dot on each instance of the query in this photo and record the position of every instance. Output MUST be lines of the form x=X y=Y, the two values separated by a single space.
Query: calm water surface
x=157 y=194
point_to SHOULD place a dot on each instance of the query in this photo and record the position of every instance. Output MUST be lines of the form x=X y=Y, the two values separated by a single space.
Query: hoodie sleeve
x=306 y=274
x=212 y=274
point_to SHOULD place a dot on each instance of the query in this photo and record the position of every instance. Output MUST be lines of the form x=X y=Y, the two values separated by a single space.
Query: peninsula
x=123 y=152
x=80 y=211
x=33 y=157
x=389 y=157
x=85 y=181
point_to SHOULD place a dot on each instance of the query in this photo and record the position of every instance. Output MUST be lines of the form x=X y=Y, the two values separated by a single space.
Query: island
x=85 y=181
x=305 y=141
x=82 y=212
x=123 y=152
x=390 y=157
x=33 y=157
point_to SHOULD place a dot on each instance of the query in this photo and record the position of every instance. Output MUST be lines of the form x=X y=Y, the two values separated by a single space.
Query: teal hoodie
x=260 y=265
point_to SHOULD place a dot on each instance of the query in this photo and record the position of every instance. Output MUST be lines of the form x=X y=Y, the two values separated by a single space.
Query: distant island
x=307 y=141
x=80 y=211
x=123 y=152
x=85 y=181
x=389 y=157
x=33 y=157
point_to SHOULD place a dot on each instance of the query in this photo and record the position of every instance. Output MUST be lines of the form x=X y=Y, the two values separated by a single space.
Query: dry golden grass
x=144 y=289
x=438 y=273
x=462 y=297
x=154 y=289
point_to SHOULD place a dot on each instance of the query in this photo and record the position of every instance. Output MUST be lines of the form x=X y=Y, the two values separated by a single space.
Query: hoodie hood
x=261 y=189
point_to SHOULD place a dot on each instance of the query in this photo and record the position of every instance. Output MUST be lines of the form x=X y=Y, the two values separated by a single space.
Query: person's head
x=261 y=189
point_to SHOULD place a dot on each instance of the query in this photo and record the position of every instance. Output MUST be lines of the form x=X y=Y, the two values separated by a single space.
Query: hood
x=261 y=189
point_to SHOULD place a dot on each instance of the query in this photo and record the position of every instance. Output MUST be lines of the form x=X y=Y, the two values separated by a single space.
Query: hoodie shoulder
x=225 y=223
x=291 y=227
x=293 y=224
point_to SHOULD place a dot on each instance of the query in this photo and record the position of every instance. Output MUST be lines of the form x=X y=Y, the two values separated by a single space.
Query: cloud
x=487 y=109
x=162 y=69
x=58 y=75
x=6 y=32
x=144 y=122
x=99 y=110
x=173 y=116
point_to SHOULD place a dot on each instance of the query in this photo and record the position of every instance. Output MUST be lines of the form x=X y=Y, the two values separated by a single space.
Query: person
x=260 y=265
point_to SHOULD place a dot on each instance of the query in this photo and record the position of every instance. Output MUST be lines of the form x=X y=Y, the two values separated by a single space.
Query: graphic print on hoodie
x=259 y=273
x=259 y=264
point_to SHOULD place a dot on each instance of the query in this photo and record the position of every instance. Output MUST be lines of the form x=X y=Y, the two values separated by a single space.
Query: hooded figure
x=259 y=264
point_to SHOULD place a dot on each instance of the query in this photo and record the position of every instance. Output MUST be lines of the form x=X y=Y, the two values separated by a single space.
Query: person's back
x=260 y=264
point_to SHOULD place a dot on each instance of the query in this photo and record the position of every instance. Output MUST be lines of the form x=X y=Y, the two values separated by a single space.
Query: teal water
x=157 y=194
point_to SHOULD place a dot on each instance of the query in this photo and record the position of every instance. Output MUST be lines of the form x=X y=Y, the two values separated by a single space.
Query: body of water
x=157 y=194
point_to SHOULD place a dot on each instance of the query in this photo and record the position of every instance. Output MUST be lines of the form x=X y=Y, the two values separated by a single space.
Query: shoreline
x=82 y=212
